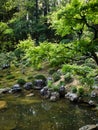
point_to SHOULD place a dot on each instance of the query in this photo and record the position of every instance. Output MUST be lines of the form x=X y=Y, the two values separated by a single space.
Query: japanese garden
x=49 y=65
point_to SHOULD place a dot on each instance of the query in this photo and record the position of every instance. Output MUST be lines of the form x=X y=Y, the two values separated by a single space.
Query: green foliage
x=56 y=77
x=81 y=91
x=74 y=89
x=85 y=74
x=49 y=83
x=75 y=69
x=30 y=77
x=55 y=87
x=51 y=71
x=82 y=26
x=10 y=77
x=21 y=81
x=6 y=34
x=87 y=81
x=68 y=78
x=55 y=54
x=7 y=58
x=40 y=77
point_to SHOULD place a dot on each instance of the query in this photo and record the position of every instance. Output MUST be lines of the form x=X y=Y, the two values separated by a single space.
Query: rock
x=16 y=88
x=62 y=91
x=30 y=95
x=95 y=87
x=93 y=94
x=5 y=66
x=54 y=96
x=28 y=86
x=72 y=96
x=92 y=103
x=45 y=92
x=4 y=90
x=89 y=127
x=3 y=105
x=39 y=84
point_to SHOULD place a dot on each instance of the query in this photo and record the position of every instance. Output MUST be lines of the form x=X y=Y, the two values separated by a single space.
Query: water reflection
x=44 y=115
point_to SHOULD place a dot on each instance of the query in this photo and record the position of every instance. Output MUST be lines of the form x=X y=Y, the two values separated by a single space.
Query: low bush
x=74 y=89
x=40 y=77
x=56 y=77
x=21 y=81
x=81 y=91
x=68 y=78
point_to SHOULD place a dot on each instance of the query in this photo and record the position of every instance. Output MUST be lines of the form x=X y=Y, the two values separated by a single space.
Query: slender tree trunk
x=36 y=35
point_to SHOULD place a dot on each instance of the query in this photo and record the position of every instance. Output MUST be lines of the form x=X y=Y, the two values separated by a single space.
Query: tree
x=79 y=19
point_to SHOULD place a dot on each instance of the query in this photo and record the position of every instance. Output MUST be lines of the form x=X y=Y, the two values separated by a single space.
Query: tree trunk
x=36 y=33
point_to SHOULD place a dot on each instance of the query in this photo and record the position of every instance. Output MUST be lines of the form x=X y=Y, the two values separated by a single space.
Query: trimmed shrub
x=30 y=77
x=68 y=78
x=21 y=81
x=56 y=77
x=40 y=77
x=81 y=91
x=74 y=89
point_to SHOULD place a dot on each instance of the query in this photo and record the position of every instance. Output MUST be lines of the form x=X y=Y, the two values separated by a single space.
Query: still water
x=32 y=113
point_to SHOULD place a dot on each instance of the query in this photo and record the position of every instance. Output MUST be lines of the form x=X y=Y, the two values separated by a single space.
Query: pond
x=32 y=113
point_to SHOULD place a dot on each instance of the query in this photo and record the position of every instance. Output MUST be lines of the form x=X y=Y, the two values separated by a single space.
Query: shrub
x=10 y=77
x=56 y=77
x=68 y=78
x=30 y=77
x=87 y=81
x=40 y=77
x=74 y=89
x=21 y=81
x=81 y=91
x=49 y=83
x=51 y=71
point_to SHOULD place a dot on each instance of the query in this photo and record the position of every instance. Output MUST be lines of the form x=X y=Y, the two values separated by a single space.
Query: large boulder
x=62 y=91
x=54 y=96
x=4 y=90
x=72 y=96
x=89 y=127
x=28 y=86
x=92 y=103
x=15 y=89
x=39 y=84
x=45 y=92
